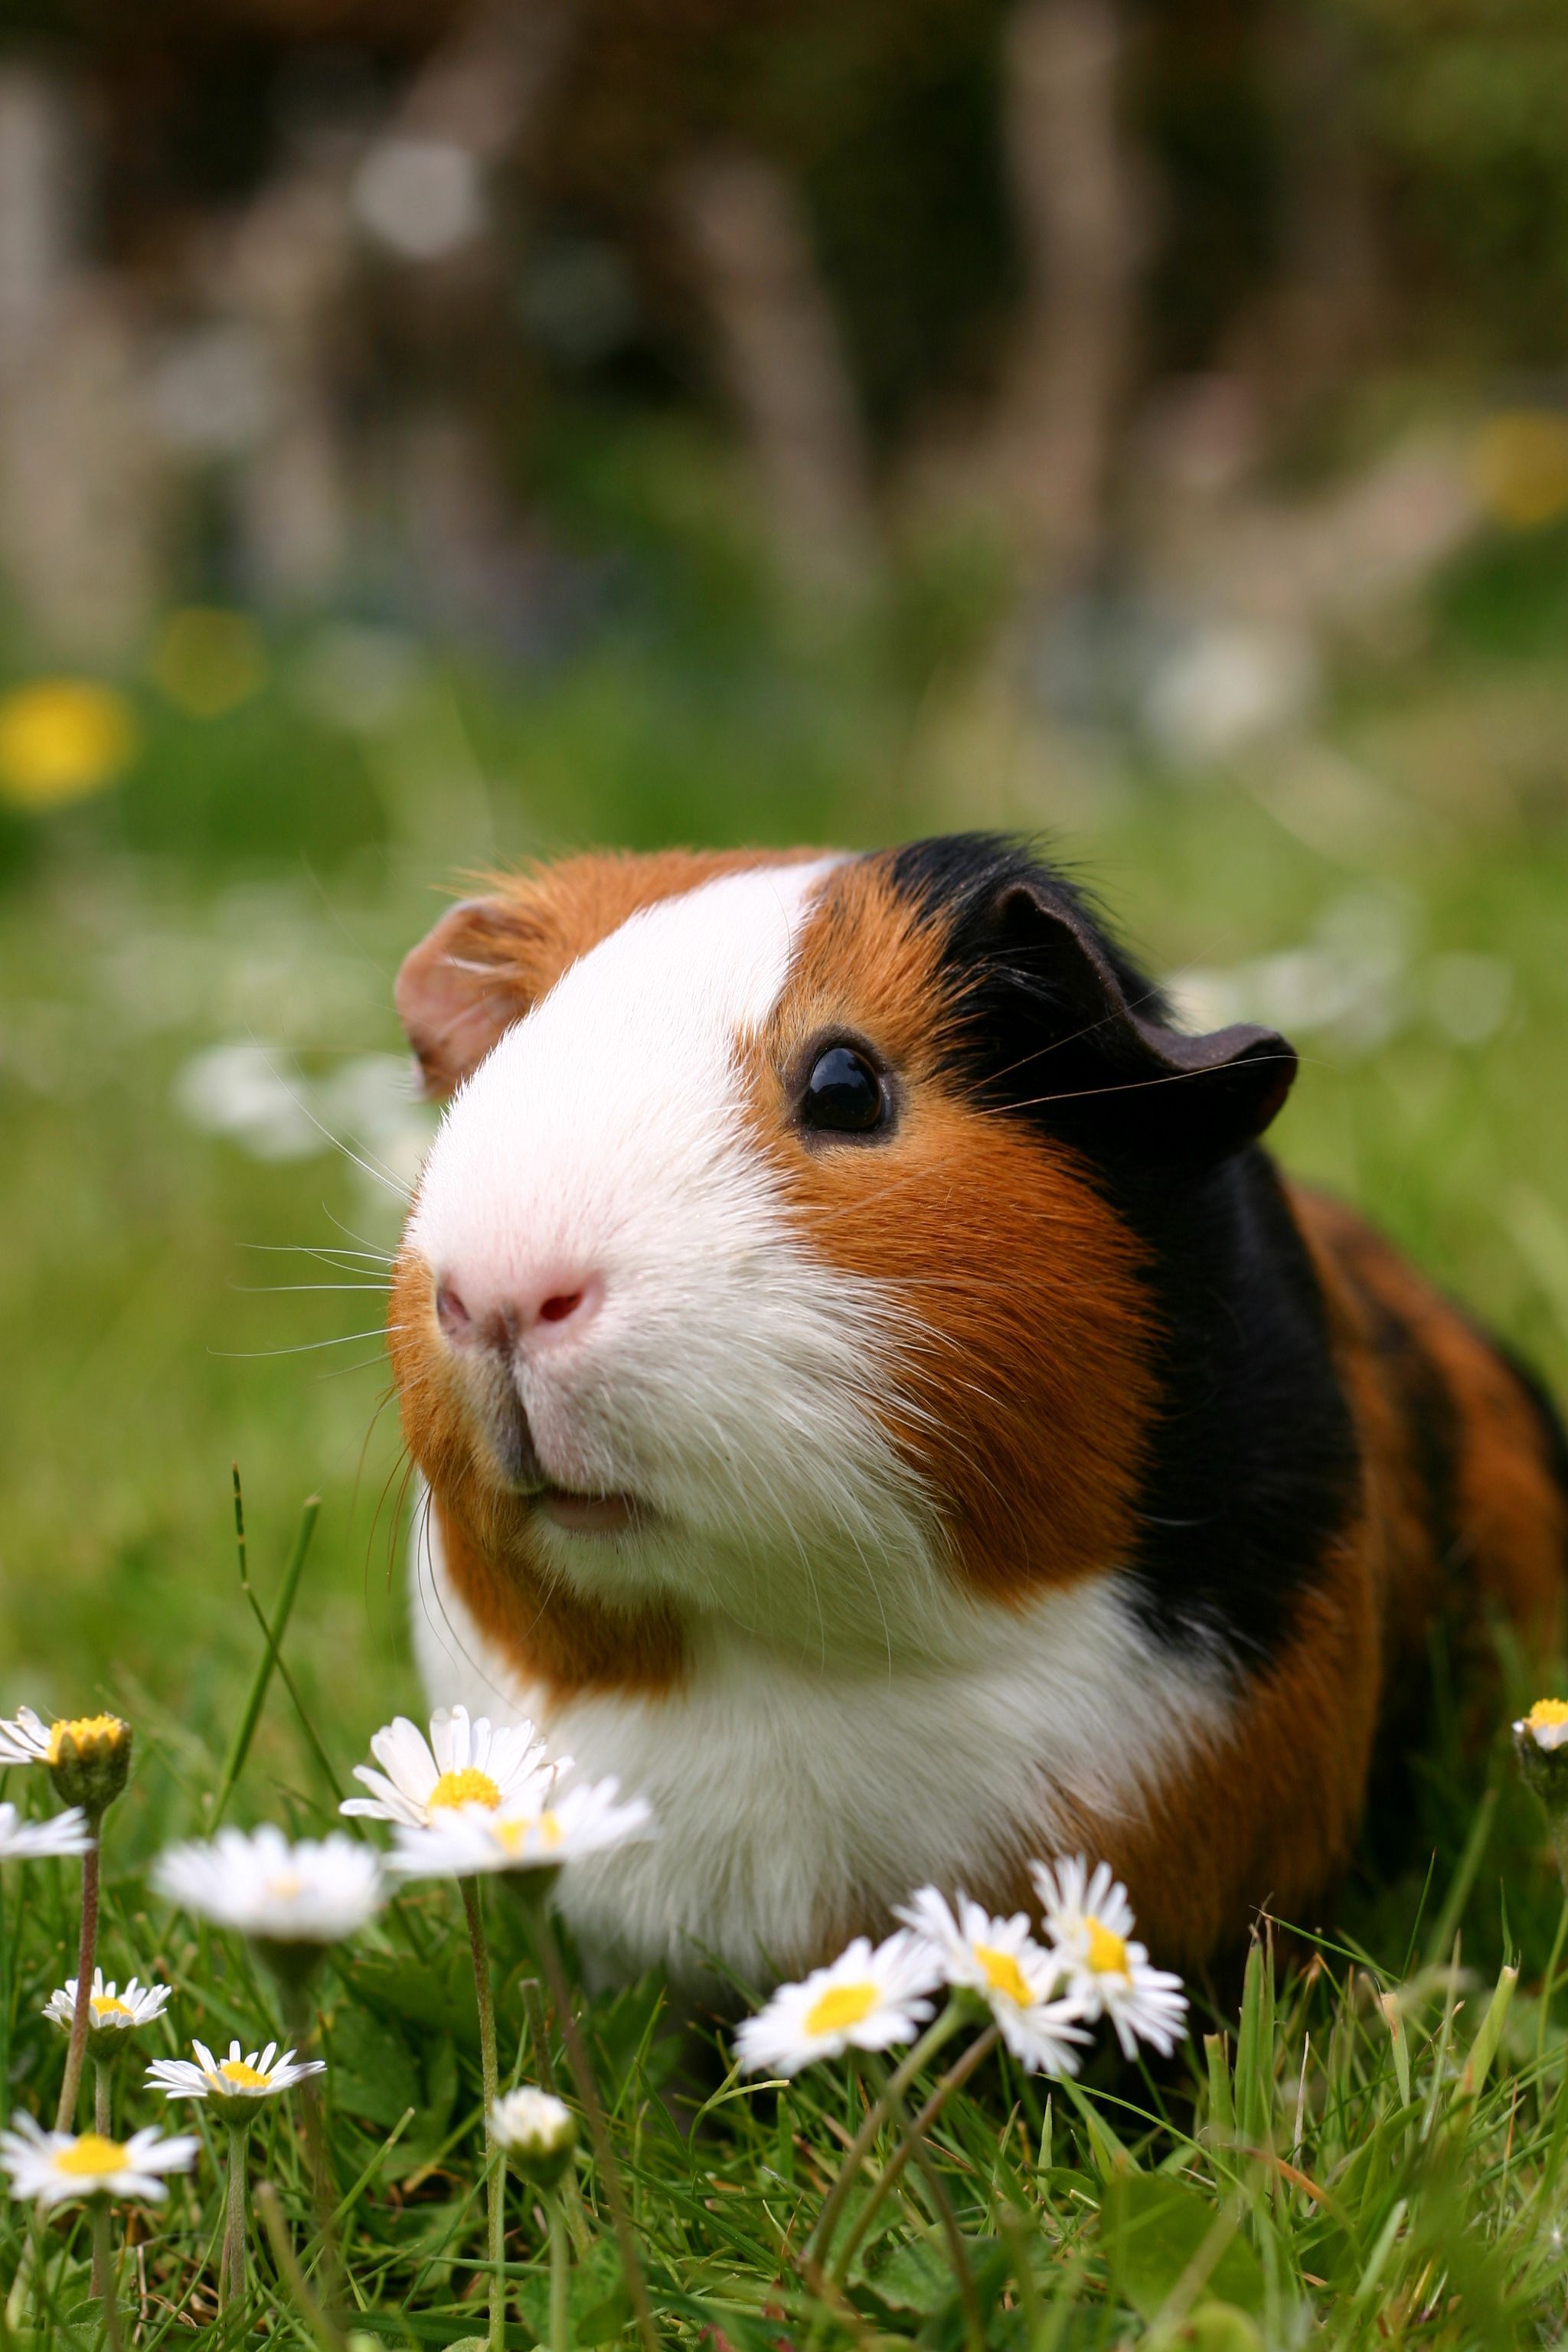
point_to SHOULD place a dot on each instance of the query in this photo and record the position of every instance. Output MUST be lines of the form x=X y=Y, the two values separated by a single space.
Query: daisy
x=1546 y=1724
x=261 y=2075
x=468 y=1839
x=27 y=1738
x=461 y=1763
x=866 y=1999
x=58 y=2167
x=256 y=1882
x=108 y=2010
x=537 y=2130
x=1089 y=1923
x=64 y=1833
x=88 y=1756
x=1000 y=1960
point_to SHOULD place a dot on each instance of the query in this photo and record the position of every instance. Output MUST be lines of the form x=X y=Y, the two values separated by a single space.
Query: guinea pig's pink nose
x=557 y=1303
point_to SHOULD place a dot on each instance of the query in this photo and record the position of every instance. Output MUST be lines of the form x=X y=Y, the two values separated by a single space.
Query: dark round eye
x=843 y=1094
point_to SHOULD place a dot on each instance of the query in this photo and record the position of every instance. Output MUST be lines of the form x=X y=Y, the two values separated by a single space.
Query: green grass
x=1334 y=2167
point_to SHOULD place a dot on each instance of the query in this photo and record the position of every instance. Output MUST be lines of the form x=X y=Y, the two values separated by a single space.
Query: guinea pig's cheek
x=437 y=1414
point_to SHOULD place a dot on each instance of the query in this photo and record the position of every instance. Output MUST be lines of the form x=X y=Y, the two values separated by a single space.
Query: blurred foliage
x=888 y=113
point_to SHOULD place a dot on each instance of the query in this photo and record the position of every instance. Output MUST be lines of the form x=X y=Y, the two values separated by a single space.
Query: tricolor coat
x=875 y=1396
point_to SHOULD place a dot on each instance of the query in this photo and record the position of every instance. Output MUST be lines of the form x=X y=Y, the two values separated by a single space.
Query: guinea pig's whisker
x=378 y=1174
x=277 y=1289
x=363 y=1239
x=306 y=1348
x=1132 y=1086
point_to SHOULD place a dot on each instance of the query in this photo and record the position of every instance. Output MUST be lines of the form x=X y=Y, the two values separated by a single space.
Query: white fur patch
x=786 y=1791
x=729 y=1379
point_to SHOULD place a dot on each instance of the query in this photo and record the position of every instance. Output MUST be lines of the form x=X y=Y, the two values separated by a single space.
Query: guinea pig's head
x=772 y=1263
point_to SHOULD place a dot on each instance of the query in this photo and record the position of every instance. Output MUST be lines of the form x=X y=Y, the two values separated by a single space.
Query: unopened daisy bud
x=538 y=2132
x=90 y=1760
x=1540 y=1744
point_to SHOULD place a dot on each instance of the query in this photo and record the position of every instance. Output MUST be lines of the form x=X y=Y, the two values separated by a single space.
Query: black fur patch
x=1253 y=1464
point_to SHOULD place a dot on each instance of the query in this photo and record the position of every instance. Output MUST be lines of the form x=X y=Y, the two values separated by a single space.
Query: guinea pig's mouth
x=587 y=1515
x=578 y=1511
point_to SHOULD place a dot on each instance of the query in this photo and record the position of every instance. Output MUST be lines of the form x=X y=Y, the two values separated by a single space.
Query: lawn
x=207 y=1127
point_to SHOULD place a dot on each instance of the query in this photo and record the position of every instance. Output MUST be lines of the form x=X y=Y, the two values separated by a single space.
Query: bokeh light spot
x=208 y=661
x=62 y=739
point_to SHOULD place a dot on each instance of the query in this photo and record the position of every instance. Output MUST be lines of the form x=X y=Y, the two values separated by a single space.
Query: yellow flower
x=61 y=739
x=209 y=661
x=1520 y=461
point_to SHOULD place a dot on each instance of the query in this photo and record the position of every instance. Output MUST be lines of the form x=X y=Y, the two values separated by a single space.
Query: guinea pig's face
x=744 y=1277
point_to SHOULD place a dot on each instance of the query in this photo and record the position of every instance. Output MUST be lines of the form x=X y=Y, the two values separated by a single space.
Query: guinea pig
x=875 y=1397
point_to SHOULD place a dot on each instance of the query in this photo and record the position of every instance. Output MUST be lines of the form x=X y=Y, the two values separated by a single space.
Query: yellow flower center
x=107 y=2004
x=468 y=1787
x=286 y=1888
x=90 y=2153
x=243 y=2077
x=1548 y=1710
x=514 y=1835
x=1107 y=1950
x=1003 y=1975
x=84 y=1731
x=841 y=2006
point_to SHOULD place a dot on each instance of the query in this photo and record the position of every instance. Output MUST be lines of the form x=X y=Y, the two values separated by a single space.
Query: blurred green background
x=433 y=436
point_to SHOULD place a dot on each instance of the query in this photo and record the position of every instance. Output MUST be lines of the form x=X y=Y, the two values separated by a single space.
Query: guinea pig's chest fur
x=796 y=1802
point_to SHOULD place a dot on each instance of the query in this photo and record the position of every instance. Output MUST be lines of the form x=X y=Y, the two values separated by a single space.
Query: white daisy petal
x=865 y=2000
x=463 y=1840
x=312 y=1893
x=1089 y=1922
x=111 y=2011
x=63 y=1834
x=24 y=1739
x=240 y=2079
x=61 y=2168
x=999 y=1961
x=463 y=1764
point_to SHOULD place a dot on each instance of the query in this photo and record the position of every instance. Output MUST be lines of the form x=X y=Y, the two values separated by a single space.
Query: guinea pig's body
x=877 y=1398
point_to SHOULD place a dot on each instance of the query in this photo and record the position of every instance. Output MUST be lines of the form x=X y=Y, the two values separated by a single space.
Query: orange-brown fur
x=1028 y=1377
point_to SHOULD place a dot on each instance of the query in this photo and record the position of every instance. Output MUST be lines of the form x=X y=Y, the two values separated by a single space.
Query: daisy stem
x=598 y=2131
x=495 y=2163
x=103 y=2122
x=102 y=2276
x=544 y=2068
x=234 y=2246
x=87 y=1946
x=940 y=2030
x=559 y=2275
x=103 y=2097
x=294 y=1990
x=912 y=2143
x=957 y=2075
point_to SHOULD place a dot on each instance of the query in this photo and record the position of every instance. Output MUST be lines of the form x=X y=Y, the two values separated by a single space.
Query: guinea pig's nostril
x=564 y=1303
x=451 y=1313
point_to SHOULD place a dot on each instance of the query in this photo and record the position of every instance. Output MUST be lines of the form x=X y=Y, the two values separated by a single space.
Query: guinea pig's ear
x=1109 y=1050
x=460 y=989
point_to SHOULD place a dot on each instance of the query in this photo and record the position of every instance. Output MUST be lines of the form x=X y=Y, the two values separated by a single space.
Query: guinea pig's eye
x=843 y=1095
